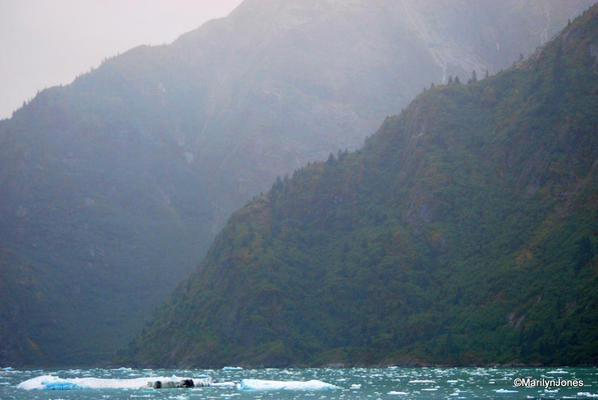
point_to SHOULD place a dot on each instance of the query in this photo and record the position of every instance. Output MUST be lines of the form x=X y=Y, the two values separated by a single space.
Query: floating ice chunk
x=395 y=393
x=51 y=382
x=502 y=391
x=62 y=386
x=224 y=384
x=44 y=382
x=262 y=385
x=232 y=368
x=355 y=386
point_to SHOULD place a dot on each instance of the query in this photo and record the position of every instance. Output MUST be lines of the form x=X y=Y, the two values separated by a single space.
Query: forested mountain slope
x=463 y=232
x=113 y=186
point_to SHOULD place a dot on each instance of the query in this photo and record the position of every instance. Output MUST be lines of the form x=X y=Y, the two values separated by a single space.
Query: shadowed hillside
x=463 y=232
x=113 y=186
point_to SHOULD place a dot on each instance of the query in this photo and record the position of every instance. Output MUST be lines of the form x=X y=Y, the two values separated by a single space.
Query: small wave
x=505 y=391
x=558 y=372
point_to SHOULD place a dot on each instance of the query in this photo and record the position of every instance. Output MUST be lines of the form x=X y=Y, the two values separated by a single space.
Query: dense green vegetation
x=465 y=231
x=113 y=187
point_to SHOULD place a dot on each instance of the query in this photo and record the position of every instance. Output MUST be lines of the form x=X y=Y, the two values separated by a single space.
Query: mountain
x=115 y=185
x=464 y=232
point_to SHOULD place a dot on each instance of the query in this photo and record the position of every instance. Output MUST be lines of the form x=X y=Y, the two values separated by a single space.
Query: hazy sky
x=47 y=42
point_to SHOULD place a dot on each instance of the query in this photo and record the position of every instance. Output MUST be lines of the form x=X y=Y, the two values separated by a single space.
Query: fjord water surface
x=350 y=383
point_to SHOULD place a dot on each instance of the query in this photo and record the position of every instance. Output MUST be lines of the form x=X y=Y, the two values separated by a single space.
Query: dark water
x=352 y=383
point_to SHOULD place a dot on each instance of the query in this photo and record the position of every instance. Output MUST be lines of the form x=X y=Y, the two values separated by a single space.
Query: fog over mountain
x=115 y=185
x=40 y=49
x=462 y=233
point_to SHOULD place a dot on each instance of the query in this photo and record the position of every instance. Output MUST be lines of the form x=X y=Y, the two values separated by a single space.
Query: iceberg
x=51 y=382
x=263 y=385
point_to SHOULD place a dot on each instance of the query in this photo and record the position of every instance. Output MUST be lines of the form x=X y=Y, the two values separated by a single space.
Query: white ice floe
x=422 y=381
x=232 y=368
x=503 y=391
x=355 y=386
x=224 y=384
x=395 y=393
x=51 y=382
x=262 y=385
